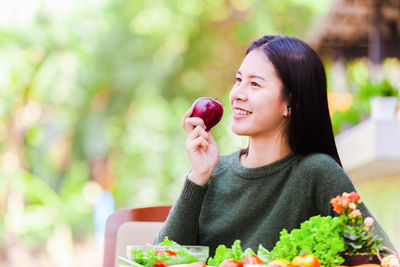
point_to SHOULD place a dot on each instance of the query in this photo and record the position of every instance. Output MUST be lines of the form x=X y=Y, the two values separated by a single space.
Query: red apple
x=210 y=110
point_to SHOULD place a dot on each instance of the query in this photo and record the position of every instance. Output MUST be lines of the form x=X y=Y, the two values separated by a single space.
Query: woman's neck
x=265 y=150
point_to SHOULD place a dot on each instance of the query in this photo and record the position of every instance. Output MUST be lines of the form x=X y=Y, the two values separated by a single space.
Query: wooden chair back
x=136 y=226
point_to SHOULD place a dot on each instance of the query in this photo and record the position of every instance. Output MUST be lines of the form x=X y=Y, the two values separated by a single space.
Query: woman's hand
x=201 y=148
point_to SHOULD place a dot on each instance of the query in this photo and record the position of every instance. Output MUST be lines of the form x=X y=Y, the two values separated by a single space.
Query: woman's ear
x=287 y=112
x=287 y=104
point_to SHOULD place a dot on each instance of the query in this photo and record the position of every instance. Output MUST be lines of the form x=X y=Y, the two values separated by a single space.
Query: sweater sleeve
x=333 y=181
x=182 y=223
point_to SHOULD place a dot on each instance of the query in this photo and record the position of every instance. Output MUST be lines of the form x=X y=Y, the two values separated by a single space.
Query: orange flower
x=340 y=203
x=345 y=194
x=337 y=204
x=355 y=197
x=345 y=202
x=338 y=208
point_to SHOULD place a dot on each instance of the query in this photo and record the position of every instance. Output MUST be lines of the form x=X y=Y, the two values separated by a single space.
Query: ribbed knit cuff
x=192 y=191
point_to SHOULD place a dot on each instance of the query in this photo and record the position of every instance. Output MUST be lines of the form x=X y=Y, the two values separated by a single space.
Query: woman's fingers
x=210 y=137
x=194 y=145
x=187 y=115
x=189 y=112
x=196 y=132
x=192 y=122
x=189 y=123
x=197 y=138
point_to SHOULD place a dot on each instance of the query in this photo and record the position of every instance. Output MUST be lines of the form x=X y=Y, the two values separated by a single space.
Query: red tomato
x=160 y=264
x=197 y=264
x=231 y=263
x=306 y=261
x=251 y=259
x=162 y=251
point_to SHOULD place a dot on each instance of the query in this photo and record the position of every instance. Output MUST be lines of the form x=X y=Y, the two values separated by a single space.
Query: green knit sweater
x=255 y=204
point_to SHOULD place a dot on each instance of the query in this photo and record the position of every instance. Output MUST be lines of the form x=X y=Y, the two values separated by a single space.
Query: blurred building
x=359 y=28
x=370 y=151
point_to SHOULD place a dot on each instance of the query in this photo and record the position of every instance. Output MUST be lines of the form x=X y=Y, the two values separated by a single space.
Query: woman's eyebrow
x=253 y=76
x=257 y=76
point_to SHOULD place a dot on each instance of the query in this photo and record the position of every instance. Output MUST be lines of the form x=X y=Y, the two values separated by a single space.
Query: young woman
x=290 y=170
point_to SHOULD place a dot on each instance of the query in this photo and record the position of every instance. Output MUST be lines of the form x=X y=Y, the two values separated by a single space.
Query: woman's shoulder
x=320 y=164
x=327 y=176
x=319 y=161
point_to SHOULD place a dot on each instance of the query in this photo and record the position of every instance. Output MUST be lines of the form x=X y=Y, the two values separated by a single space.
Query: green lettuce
x=223 y=253
x=264 y=254
x=320 y=236
x=167 y=242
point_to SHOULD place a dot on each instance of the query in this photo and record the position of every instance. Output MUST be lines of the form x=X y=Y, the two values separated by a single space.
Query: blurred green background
x=92 y=94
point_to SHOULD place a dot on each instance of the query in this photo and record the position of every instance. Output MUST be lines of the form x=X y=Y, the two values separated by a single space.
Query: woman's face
x=257 y=104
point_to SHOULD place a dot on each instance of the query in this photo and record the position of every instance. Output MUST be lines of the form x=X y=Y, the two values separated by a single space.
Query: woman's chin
x=239 y=131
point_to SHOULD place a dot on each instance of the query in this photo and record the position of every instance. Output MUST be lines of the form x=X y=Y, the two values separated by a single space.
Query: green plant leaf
x=350 y=236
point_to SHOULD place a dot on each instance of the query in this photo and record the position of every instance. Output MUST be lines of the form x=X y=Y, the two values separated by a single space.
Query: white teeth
x=242 y=112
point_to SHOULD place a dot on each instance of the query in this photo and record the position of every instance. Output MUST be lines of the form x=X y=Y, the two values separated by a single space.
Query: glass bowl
x=199 y=252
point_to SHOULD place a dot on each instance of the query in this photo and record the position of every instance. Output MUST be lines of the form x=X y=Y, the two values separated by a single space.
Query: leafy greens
x=320 y=236
x=223 y=253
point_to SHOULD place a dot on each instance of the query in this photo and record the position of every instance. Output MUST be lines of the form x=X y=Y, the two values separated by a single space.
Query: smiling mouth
x=241 y=111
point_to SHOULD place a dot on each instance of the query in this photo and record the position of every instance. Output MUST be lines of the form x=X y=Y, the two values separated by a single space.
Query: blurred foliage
x=363 y=88
x=95 y=91
x=382 y=88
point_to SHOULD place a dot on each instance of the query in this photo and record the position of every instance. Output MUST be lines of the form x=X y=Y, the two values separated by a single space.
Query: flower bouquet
x=362 y=245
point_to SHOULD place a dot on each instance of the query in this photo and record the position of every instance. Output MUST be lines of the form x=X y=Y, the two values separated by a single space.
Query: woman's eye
x=238 y=79
x=254 y=84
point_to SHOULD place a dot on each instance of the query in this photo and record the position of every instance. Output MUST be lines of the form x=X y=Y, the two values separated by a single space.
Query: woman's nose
x=239 y=93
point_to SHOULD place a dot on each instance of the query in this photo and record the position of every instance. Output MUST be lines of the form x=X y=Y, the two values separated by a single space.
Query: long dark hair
x=303 y=77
